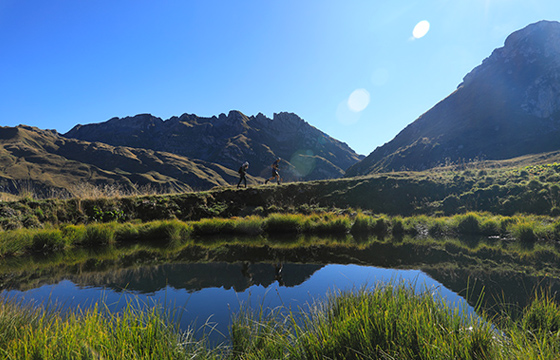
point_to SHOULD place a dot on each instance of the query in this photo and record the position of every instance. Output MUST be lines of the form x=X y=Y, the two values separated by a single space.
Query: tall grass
x=95 y=333
x=284 y=223
x=169 y=232
x=392 y=321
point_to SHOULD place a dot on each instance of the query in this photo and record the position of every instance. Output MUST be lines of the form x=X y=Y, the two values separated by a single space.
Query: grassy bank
x=529 y=230
x=390 y=321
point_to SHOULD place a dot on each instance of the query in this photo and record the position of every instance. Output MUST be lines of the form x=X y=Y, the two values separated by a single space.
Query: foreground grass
x=387 y=322
x=28 y=333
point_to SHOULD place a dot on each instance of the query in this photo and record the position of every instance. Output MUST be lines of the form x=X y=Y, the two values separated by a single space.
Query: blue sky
x=351 y=68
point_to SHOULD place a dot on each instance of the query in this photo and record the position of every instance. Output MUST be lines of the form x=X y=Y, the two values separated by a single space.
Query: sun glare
x=421 y=29
x=358 y=100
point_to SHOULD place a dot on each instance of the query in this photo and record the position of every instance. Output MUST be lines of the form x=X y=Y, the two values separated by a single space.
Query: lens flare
x=358 y=100
x=421 y=29
x=303 y=161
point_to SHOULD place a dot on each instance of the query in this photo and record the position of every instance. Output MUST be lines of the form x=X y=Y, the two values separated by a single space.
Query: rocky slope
x=44 y=162
x=231 y=139
x=506 y=107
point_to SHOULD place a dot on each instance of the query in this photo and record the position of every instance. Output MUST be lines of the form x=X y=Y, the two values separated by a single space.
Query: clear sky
x=359 y=70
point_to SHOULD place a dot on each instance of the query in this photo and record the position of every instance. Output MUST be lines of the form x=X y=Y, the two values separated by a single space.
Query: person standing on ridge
x=242 y=174
x=275 y=174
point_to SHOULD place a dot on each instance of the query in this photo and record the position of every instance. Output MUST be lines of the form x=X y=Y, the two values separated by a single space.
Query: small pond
x=209 y=291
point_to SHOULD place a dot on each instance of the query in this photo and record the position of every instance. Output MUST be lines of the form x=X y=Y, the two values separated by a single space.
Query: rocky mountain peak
x=536 y=46
x=538 y=40
x=507 y=106
x=229 y=140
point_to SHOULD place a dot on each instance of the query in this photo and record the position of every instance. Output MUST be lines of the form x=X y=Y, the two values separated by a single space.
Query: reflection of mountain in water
x=198 y=276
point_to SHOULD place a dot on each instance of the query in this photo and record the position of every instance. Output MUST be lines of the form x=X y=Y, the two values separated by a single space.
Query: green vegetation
x=526 y=229
x=146 y=333
x=501 y=191
x=389 y=321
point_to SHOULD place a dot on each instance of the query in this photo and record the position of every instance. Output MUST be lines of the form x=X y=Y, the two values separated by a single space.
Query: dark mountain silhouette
x=506 y=107
x=231 y=140
x=45 y=161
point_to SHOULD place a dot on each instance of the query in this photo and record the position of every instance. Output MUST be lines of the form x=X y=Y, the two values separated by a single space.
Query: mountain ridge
x=230 y=140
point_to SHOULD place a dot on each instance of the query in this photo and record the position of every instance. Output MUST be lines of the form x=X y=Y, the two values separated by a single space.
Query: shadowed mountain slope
x=506 y=107
x=46 y=162
x=230 y=140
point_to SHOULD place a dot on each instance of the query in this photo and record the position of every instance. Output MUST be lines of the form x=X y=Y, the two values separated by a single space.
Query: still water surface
x=211 y=292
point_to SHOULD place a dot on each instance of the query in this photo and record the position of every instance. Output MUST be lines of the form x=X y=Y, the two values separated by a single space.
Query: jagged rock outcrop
x=506 y=107
x=231 y=139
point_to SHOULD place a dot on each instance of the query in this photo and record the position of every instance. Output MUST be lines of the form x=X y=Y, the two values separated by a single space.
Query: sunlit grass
x=146 y=332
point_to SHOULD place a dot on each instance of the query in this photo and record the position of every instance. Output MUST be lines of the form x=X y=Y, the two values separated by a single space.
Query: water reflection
x=194 y=277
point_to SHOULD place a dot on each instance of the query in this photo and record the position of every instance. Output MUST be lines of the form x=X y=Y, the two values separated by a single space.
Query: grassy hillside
x=48 y=164
x=507 y=190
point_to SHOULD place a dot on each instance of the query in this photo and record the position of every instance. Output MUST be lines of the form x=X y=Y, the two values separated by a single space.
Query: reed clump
x=283 y=223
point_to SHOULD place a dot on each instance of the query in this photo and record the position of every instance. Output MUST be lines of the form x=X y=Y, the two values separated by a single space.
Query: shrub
x=524 y=232
x=362 y=224
x=542 y=317
x=381 y=226
x=437 y=228
x=165 y=231
x=398 y=226
x=332 y=224
x=490 y=227
x=251 y=225
x=74 y=234
x=213 y=226
x=127 y=232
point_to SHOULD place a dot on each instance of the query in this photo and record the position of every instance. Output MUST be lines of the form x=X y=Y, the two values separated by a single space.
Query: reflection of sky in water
x=217 y=304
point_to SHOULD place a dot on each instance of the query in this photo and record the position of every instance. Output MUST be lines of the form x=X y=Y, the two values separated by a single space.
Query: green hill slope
x=49 y=164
